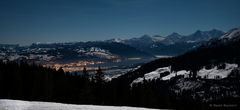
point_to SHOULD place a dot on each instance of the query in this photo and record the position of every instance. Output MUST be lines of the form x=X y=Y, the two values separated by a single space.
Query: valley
x=111 y=55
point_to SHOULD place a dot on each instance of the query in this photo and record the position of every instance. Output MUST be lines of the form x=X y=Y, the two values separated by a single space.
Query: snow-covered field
x=157 y=74
x=6 y=104
x=214 y=73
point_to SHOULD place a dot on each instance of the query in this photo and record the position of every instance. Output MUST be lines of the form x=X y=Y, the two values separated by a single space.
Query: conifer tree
x=99 y=75
x=85 y=73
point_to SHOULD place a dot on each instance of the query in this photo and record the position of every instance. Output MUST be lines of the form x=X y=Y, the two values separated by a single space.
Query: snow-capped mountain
x=231 y=37
x=143 y=40
x=173 y=44
x=172 y=38
x=200 y=36
x=233 y=33
x=117 y=40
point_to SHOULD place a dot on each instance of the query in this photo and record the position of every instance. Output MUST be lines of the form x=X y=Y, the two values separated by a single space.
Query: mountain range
x=173 y=44
x=142 y=47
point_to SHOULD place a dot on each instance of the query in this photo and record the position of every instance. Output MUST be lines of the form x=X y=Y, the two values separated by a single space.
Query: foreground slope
x=26 y=105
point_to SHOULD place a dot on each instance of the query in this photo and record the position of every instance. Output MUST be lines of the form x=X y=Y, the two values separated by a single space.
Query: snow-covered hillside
x=165 y=73
x=215 y=73
x=231 y=34
x=27 y=105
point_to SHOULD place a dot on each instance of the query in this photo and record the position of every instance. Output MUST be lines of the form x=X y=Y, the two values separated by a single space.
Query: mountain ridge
x=171 y=45
x=214 y=52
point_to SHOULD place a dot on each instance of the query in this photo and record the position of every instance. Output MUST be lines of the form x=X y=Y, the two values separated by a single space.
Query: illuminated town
x=74 y=66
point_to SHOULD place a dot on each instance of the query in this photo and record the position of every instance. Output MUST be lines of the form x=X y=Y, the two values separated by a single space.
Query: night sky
x=27 y=21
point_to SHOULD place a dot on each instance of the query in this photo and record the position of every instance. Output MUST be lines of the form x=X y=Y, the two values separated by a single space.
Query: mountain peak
x=233 y=33
x=145 y=36
x=157 y=36
x=215 y=31
x=198 y=33
x=117 y=40
x=206 y=35
x=175 y=35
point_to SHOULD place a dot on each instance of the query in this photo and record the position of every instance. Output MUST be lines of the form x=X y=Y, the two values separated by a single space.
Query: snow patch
x=215 y=73
x=34 y=105
x=190 y=41
x=173 y=74
x=160 y=73
x=152 y=75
